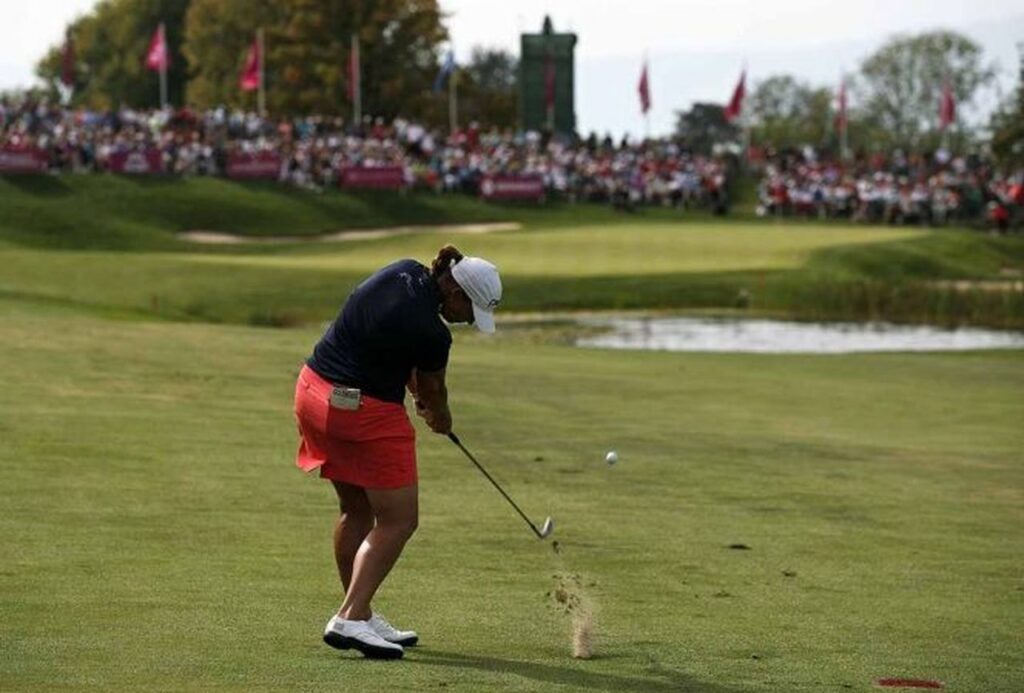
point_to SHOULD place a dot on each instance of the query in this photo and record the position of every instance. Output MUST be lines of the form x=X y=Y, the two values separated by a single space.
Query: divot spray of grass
x=571 y=598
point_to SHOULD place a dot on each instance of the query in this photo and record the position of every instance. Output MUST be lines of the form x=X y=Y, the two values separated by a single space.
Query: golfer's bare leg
x=354 y=522
x=397 y=514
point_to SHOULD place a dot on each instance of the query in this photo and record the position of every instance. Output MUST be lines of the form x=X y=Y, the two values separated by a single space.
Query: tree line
x=893 y=102
x=306 y=57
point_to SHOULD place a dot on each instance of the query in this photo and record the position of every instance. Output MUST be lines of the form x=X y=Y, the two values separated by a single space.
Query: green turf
x=156 y=536
x=802 y=271
x=110 y=244
x=122 y=212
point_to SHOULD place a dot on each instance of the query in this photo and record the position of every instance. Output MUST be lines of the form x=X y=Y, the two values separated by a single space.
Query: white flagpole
x=261 y=94
x=357 y=86
x=163 y=67
x=453 y=102
x=845 y=135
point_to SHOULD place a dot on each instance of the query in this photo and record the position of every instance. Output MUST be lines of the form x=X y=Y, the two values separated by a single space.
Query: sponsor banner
x=142 y=161
x=512 y=188
x=379 y=178
x=260 y=165
x=19 y=160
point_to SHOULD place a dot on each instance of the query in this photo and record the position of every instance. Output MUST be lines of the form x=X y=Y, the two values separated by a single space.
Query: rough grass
x=157 y=537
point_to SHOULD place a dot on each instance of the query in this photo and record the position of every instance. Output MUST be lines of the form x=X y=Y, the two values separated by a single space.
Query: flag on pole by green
x=644 y=89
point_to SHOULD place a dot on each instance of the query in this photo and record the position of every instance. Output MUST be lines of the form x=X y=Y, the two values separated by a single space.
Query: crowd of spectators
x=312 y=150
x=934 y=190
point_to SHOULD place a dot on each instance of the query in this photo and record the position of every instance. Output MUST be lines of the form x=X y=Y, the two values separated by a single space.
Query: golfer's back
x=388 y=326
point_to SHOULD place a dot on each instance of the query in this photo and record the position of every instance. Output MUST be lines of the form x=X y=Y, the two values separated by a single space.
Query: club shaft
x=455 y=439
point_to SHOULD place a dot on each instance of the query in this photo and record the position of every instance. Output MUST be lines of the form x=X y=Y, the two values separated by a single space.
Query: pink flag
x=644 y=88
x=157 y=57
x=841 y=107
x=67 y=64
x=735 y=107
x=252 y=74
x=947 y=106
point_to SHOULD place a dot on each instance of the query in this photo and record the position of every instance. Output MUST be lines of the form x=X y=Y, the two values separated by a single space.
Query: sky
x=695 y=48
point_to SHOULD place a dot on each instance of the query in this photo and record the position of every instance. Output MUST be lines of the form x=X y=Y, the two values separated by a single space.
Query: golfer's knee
x=361 y=522
x=403 y=524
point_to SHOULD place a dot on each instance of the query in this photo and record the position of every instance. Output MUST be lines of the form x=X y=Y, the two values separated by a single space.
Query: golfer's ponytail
x=446 y=257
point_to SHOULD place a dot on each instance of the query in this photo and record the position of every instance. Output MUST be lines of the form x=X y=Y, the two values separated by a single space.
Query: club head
x=547 y=528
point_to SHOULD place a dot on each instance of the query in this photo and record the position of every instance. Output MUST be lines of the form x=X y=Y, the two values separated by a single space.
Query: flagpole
x=261 y=98
x=844 y=141
x=844 y=133
x=453 y=103
x=163 y=67
x=357 y=86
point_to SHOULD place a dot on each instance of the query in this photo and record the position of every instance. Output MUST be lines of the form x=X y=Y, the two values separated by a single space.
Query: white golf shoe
x=343 y=634
x=405 y=638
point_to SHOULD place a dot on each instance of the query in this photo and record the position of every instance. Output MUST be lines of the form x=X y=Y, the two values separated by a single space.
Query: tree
x=1007 y=124
x=110 y=46
x=788 y=113
x=217 y=36
x=488 y=87
x=307 y=52
x=899 y=85
x=704 y=126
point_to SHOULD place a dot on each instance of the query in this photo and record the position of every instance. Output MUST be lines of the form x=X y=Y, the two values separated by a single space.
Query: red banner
x=145 y=161
x=16 y=160
x=512 y=188
x=380 y=178
x=261 y=165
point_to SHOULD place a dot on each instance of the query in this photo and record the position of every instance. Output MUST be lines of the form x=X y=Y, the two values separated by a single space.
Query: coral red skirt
x=373 y=446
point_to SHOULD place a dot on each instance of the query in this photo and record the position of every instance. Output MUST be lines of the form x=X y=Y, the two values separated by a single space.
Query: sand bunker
x=219 y=238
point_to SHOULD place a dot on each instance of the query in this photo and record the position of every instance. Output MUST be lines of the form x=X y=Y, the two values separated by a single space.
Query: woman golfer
x=349 y=402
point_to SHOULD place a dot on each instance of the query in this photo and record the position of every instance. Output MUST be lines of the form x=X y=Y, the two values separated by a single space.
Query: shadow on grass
x=38 y=185
x=660 y=679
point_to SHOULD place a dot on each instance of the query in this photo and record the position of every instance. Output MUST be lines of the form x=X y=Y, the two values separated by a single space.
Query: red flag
x=252 y=74
x=67 y=65
x=549 y=83
x=841 y=106
x=645 y=91
x=947 y=106
x=157 y=57
x=735 y=107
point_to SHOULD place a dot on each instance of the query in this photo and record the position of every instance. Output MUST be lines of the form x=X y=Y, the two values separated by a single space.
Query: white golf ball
x=612 y=457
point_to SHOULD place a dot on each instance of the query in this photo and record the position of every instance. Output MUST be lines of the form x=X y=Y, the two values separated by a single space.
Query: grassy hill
x=110 y=244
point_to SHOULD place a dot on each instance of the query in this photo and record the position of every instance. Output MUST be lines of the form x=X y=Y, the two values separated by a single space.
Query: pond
x=782 y=337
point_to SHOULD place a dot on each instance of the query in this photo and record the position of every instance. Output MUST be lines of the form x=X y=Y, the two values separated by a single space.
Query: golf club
x=544 y=532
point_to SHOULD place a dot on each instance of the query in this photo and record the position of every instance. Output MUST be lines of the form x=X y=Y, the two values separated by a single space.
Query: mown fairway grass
x=156 y=536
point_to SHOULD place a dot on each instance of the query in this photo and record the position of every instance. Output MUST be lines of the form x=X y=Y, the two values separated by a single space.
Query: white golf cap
x=480 y=280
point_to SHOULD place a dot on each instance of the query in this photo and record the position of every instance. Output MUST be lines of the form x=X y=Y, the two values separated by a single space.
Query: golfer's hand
x=439 y=422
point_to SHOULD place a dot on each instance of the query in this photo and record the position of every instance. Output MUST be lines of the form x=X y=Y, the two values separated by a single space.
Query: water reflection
x=780 y=337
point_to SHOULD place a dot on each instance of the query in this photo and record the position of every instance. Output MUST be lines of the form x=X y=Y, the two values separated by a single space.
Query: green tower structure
x=547 y=81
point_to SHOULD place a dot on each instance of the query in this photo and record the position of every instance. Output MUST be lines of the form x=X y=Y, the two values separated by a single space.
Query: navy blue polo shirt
x=388 y=326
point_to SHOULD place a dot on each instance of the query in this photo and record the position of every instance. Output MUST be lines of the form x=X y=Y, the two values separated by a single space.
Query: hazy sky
x=695 y=47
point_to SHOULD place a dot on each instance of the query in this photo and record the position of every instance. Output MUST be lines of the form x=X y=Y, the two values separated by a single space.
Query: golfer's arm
x=432 y=395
